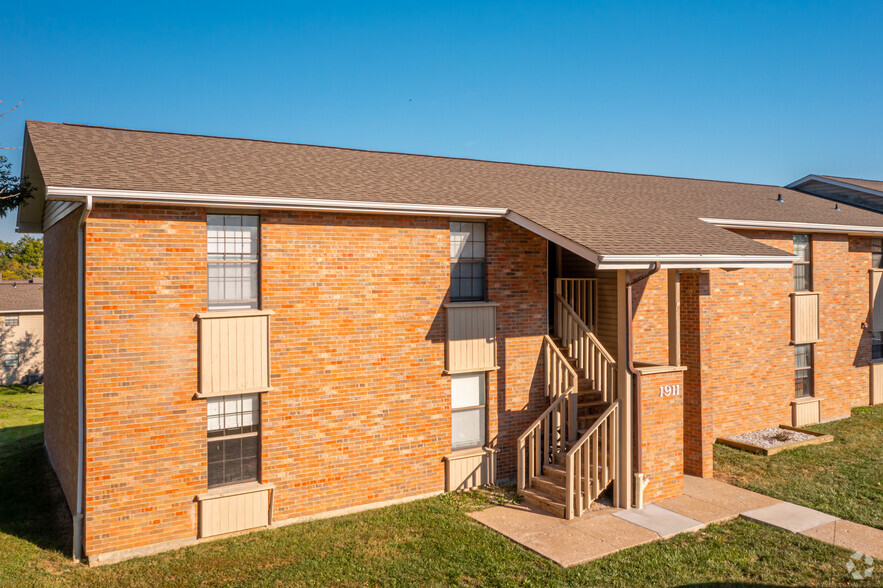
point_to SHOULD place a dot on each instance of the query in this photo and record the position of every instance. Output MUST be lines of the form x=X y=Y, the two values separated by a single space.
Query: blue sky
x=749 y=91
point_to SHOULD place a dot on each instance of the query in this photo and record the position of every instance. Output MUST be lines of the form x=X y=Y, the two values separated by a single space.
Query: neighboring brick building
x=247 y=333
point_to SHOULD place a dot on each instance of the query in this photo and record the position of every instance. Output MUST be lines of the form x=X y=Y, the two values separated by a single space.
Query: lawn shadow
x=32 y=504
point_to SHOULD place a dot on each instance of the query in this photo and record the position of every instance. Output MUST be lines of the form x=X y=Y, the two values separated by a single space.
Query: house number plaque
x=670 y=390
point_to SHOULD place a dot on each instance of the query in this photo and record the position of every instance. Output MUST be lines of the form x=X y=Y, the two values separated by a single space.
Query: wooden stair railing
x=593 y=360
x=591 y=463
x=549 y=435
x=546 y=438
x=582 y=295
x=560 y=374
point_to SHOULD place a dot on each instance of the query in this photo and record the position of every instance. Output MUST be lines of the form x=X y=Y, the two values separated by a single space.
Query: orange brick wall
x=650 y=318
x=145 y=438
x=736 y=332
x=60 y=349
x=360 y=410
x=841 y=265
x=662 y=435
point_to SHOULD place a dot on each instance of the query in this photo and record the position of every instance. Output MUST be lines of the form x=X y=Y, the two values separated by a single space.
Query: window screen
x=467 y=261
x=233 y=260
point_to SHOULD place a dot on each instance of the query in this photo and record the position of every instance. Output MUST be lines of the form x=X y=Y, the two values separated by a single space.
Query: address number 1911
x=670 y=390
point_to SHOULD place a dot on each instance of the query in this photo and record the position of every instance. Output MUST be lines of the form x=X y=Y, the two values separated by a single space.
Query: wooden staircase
x=567 y=458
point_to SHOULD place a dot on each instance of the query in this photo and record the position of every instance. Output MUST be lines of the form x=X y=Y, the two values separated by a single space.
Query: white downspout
x=81 y=378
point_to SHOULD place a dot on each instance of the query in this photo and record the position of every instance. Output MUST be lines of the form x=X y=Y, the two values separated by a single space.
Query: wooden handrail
x=581 y=441
x=546 y=438
x=582 y=325
x=582 y=295
x=591 y=463
x=591 y=356
x=560 y=375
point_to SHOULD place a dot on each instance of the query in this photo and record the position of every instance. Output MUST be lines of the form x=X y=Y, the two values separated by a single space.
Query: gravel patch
x=766 y=438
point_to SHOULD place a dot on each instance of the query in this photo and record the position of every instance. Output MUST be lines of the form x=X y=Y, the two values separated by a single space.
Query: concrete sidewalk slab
x=613 y=530
x=663 y=522
x=849 y=535
x=567 y=546
x=700 y=510
x=791 y=517
x=517 y=521
x=729 y=498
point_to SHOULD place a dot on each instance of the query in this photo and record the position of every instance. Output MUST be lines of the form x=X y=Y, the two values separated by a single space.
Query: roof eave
x=794 y=226
x=267 y=202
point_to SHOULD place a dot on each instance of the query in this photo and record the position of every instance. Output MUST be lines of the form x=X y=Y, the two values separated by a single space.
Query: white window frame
x=462 y=406
x=226 y=258
x=806 y=262
x=220 y=416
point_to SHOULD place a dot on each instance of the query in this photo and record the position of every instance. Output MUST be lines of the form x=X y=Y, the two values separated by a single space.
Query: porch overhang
x=686 y=261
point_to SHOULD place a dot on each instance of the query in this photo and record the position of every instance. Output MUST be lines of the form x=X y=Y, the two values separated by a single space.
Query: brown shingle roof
x=21 y=295
x=869 y=184
x=610 y=213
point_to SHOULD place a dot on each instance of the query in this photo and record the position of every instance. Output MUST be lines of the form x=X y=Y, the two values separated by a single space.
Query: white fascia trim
x=554 y=237
x=792 y=226
x=639 y=262
x=839 y=184
x=268 y=202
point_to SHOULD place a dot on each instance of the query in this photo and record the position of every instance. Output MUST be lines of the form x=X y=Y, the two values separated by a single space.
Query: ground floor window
x=10 y=360
x=469 y=412
x=803 y=362
x=233 y=439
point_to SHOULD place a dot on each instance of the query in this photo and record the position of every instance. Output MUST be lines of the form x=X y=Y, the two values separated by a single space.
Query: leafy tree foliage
x=21 y=260
x=13 y=191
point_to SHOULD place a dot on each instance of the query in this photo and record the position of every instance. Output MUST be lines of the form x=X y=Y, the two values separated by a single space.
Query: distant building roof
x=21 y=295
x=857 y=192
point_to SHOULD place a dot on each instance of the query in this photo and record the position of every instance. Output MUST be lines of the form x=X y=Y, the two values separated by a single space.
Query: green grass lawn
x=427 y=543
x=843 y=478
x=21 y=412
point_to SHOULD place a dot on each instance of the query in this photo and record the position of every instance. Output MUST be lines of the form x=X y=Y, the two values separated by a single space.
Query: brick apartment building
x=242 y=334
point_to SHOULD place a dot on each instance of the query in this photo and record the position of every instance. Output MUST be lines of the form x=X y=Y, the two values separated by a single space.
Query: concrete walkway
x=602 y=532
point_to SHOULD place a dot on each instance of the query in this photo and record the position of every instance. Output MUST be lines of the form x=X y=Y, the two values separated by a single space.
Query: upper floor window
x=233 y=261
x=803 y=267
x=11 y=320
x=467 y=261
x=877 y=253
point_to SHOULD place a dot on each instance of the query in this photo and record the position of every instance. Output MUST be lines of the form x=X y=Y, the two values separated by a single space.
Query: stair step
x=592 y=403
x=542 y=500
x=552 y=486
x=555 y=472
